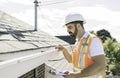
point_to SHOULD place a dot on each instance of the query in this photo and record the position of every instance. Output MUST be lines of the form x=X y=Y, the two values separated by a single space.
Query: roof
x=22 y=46
x=15 y=33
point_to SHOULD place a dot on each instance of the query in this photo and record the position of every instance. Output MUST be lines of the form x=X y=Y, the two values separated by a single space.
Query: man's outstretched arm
x=66 y=54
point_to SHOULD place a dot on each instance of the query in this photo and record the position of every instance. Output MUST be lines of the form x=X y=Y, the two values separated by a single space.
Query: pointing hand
x=60 y=48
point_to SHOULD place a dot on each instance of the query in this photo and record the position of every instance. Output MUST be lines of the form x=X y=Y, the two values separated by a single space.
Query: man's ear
x=78 y=25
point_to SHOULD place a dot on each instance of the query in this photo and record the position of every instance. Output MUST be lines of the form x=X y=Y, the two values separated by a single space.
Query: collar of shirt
x=84 y=36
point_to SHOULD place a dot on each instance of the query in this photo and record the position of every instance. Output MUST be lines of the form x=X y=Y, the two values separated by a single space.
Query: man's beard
x=73 y=35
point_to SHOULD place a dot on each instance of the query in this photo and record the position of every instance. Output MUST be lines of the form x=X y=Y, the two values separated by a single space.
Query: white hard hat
x=74 y=17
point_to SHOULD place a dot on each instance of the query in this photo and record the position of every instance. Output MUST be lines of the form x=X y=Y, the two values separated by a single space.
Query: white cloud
x=2 y=2
x=21 y=1
x=26 y=16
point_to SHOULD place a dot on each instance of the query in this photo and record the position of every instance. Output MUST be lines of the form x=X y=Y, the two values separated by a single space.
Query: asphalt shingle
x=16 y=35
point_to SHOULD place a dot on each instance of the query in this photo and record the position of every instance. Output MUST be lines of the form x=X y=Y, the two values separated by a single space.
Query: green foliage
x=103 y=35
x=112 y=53
x=92 y=32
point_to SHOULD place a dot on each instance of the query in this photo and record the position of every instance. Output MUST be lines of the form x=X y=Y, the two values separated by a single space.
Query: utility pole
x=36 y=5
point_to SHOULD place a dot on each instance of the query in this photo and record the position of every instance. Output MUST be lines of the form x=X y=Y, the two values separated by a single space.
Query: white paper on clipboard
x=59 y=73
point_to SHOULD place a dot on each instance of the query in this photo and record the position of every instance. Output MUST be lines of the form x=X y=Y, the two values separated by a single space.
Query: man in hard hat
x=87 y=54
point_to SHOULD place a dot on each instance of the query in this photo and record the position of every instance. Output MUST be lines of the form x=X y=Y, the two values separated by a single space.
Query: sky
x=99 y=14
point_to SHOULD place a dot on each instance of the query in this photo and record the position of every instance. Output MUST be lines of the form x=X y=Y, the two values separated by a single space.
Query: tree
x=112 y=53
x=103 y=34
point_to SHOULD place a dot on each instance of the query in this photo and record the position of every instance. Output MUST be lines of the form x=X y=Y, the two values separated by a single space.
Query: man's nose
x=68 y=30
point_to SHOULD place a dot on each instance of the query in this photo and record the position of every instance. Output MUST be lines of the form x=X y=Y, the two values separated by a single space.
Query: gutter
x=6 y=63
